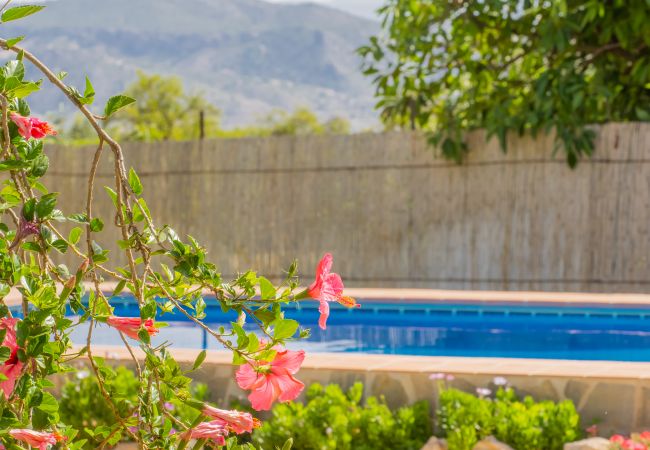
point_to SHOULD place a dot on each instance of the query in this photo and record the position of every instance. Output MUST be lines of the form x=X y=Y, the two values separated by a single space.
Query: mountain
x=246 y=56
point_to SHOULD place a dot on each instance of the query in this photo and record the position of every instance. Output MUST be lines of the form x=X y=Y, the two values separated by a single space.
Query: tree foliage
x=164 y=111
x=145 y=123
x=522 y=65
x=302 y=121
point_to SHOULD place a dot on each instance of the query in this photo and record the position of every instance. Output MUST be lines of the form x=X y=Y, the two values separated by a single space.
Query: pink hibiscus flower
x=31 y=127
x=40 y=129
x=270 y=381
x=208 y=430
x=36 y=439
x=236 y=421
x=328 y=287
x=131 y=325
x=12 y=367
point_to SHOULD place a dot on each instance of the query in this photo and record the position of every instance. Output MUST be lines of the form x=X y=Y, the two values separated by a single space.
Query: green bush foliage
x=333 y=419
x=464 y=419
x=83 y=407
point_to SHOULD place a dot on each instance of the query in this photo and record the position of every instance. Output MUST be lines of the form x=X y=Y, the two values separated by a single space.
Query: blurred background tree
x=522 y=65
x=303 y=121
x=164 y=111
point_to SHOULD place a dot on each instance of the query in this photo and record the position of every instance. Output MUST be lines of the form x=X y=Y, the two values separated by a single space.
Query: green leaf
x=5 y=353
x=134 y=182
x=112 y=194
x=14 y=164
x=74 y=235
x=4 y=291
x=288 y=444
x=119 y=288
x=89 y=93
x=46 y=205
x=22 y=107
x=39 y=166
x=284 y=328
x=99 y=306
x=264 y=315
x=13 y=41
x=78 y=218
x=60 y=245
x=28 y=209
x=116 y=103
x=199 y=360
x=99 y=254
x=96 y=225
x=31 y=246
x=267 y=290
x=253 y=342
x=24 y=89
x=14 y=68
x=148 y=311
x=199 y=307
x=237 y=359
x=18 y=12
x=144 y=336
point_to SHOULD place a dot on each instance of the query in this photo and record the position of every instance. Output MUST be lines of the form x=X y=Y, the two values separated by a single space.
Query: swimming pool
x=437 y=329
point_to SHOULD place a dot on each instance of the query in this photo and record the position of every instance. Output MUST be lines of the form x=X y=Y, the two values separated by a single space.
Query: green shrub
x=464 y=419
x=83 y=407
x=332 y=419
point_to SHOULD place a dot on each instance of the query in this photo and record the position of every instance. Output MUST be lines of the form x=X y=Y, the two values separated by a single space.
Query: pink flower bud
x=131 y=326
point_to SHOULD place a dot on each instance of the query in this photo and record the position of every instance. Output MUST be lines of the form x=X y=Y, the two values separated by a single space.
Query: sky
x=364 y=8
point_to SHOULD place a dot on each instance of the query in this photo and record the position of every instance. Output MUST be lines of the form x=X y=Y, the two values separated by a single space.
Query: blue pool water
x=437 y=329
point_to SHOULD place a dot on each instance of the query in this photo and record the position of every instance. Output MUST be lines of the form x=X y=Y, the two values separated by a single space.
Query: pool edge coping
x=425 y=365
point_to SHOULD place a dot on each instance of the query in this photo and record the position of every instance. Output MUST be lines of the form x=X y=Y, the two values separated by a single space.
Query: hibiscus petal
x=290 y=388
x=325 y=265
x=262 y=398
x=24 y=125
x=324 y=310
x=10 y=337
x=12 y=372
x=246 y=376
x=288 y=362
x=332 y=287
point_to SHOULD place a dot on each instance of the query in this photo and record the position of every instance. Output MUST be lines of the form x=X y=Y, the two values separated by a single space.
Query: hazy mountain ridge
x=247 y=56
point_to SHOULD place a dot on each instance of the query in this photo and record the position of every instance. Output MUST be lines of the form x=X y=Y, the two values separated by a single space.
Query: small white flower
x=437 y=376
x=82 y=374
x=500 y=381
x=483 y=392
